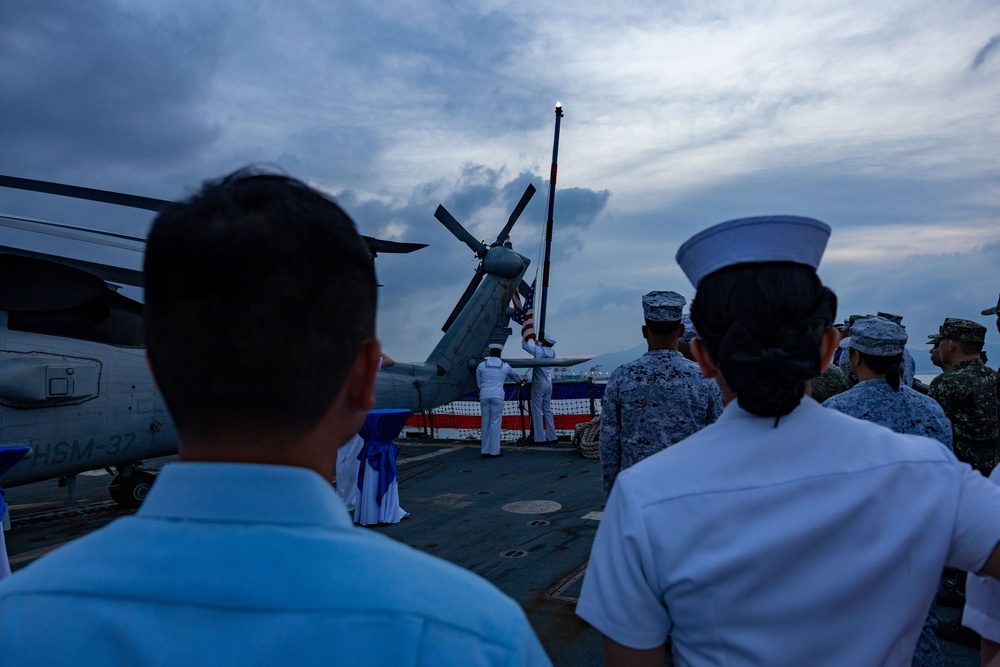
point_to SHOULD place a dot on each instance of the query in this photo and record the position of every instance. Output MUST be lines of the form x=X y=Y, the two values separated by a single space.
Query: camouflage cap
x=877 y=336
x=965 y=331
x=994 y=310
x=851 y=319
x=662 y=306
x=690 y=333
x=892 y=317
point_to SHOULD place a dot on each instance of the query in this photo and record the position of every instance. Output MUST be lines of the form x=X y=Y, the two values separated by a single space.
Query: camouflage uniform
x=651 y=403
x=845 y=367
x=828 y=384
x=995 y=310
x=908 y=369
x=968 y=394
x=904 y=411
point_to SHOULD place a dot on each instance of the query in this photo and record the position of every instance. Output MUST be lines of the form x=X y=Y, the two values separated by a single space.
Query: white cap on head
x=496 y=346
x=549 y=339
x=773 y=238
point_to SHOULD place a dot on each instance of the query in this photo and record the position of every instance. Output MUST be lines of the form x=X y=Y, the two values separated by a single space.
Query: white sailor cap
x=774 y=238
x=496 y=346
x=662 y=306
x=549 y=339
x=877 y=336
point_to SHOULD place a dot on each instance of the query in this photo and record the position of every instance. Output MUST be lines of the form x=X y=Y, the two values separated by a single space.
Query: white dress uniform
x=810 y=539
x=490 y=376
x=982 y=598
x=543 y=426
x=817 y=542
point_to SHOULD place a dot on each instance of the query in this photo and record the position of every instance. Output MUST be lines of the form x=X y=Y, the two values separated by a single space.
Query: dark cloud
x=576 y=209
x=843 y=195
x=603 y=295
x=986 y=52
x=96 y=82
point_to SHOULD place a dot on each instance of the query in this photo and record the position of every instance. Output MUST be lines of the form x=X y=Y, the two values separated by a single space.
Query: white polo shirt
x=819 y=541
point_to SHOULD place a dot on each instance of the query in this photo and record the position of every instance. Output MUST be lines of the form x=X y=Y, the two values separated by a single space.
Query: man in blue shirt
x=260 y=328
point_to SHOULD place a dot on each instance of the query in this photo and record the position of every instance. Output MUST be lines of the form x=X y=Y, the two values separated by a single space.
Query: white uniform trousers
x=543 y=426
x=492 y=410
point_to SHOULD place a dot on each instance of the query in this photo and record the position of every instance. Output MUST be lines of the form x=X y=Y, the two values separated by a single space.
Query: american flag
x=524 y=312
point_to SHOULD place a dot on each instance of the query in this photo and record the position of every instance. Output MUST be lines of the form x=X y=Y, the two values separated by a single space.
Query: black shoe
x=491 y=456
x=954 y=631
x=951 y=597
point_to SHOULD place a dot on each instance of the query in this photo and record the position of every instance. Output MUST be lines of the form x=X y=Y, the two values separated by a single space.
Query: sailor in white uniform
x=543 y=426
x=783 y=533
x=491 y=373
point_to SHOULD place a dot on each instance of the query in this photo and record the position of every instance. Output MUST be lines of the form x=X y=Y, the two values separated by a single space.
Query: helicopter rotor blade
x=78 y=192
x=515 y=214
x=469 y=291
x=456 y=228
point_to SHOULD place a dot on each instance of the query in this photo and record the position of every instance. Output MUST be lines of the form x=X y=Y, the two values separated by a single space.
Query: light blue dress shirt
x=243 y=564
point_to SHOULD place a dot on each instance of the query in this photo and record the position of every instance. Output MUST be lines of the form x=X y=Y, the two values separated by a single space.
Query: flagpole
x=548 y=225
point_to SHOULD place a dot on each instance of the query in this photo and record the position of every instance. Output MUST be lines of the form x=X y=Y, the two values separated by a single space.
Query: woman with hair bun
x=782 y=534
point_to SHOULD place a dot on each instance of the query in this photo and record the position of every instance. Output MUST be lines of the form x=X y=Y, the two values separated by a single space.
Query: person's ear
x=704 y=359
x=829 y=345
x=361 y=379
x=645 y=332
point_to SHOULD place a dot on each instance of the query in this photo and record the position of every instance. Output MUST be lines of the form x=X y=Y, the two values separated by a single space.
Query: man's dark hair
x=664 y=329
x=258 y=295
x=763 y=325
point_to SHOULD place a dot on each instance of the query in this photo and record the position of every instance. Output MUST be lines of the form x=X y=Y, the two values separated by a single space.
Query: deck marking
x=454 y=500
x=595 y=516
x=563 y=591
x=421 y=457
x=532 y=507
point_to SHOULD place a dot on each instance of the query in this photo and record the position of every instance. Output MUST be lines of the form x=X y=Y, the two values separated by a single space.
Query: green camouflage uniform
x=995 y=310
x=830 y=383
x=968 y=394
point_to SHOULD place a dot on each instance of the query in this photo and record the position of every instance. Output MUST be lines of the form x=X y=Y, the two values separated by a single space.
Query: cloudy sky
x=880 y=119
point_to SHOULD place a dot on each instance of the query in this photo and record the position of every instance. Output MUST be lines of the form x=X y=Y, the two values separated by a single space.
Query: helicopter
x=74 y=383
